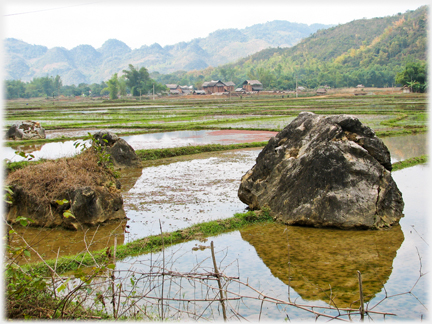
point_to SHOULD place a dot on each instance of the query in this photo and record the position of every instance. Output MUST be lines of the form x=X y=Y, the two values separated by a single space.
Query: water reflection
x=147 y=141
x=405 y=147
x=185 y=138
x=185 y=191
x=50 y=242
x=44 y=151
x=319 y=263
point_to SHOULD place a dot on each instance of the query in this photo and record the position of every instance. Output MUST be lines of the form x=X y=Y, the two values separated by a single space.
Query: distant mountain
x=86 y=64
x=365 y=51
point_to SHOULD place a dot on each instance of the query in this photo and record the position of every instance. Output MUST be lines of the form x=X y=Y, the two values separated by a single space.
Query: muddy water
x=73 y=132
x=405 y=147
x=319 y=266
x=143 y=141
x=43 y=151
x=322 y=262
x=179 y=191
x=401 y=147
x=185 y=191
x=184 y=138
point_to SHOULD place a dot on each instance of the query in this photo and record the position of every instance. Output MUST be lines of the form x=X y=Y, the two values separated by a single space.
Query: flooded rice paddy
x=308 y=265
x=143 y=141
x=311 y=266
x=401 y=147
x=318 y=266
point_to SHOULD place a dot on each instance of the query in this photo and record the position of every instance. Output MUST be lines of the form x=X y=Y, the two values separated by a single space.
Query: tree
x=113 y=86
x=15 y=89
x=138 y=81
x=414 y=75
x=122 y=86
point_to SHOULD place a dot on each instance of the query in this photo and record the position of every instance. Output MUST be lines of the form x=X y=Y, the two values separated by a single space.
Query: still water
x=319 y=266
x=401 y=147
x=311 y=266
x=144 y=141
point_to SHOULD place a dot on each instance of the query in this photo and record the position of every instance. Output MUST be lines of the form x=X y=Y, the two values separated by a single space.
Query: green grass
x=153 y=243
x=13 y=166
x=155 y=154
x=409 y=162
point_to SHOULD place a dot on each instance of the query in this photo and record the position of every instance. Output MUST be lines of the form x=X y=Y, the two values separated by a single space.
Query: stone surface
x=325 y=172
x=122 y=154
x=26 y=130
x=89 y=206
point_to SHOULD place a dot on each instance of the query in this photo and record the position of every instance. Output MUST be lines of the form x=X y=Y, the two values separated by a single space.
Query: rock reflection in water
x=48 y=241
x=324 y=262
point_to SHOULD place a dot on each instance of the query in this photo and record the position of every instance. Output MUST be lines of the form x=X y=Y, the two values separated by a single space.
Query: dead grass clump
x=54 y=179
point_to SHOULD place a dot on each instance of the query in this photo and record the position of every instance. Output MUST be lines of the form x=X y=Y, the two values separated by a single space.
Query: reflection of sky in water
x=185 y=138
x=238 y=257
x=401 y=147
x=47 y=151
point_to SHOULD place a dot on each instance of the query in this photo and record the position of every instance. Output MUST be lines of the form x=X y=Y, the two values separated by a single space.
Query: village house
x=252 y=85
x=174 y=88
x=229 y=86
x=213 y=87
x=321 y=91
x=406 y=89
x=186 y=89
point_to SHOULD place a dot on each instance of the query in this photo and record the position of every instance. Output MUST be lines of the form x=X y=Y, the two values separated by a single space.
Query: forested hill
x=85 y=64
x=365 y=51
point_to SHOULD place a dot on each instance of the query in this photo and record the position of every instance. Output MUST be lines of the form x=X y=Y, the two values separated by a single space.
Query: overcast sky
x=137 y=23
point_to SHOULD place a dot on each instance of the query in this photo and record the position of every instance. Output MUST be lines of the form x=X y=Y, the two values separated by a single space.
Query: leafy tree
x=138 y=81
x=122 y=85
x=84 y=89
x=113 y=86
x=413 y=75
x=15 y=89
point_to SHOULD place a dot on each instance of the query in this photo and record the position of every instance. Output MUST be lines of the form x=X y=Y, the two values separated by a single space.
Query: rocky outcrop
x=325 y=172
x=121 y=153
x=49 y=192
x=26 y=130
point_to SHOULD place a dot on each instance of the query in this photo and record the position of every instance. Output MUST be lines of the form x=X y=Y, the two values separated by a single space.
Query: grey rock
x=89 y=206
x=325 y=172
x=26 y=130
x=121 y=153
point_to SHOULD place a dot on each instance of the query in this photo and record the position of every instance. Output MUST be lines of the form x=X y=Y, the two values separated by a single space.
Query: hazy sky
x=137 y=23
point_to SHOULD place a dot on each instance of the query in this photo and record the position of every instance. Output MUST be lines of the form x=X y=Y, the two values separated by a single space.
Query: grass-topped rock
x=66 y=192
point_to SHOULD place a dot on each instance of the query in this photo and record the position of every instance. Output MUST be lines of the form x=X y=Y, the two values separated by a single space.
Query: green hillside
x=365 y=51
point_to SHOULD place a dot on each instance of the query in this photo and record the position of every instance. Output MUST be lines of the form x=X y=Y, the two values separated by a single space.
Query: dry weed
x=54 y=179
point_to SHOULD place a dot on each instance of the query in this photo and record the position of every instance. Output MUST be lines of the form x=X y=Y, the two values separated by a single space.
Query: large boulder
x=121 y=153
x=325 y=172
x=45 y=192
x=26 y=130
